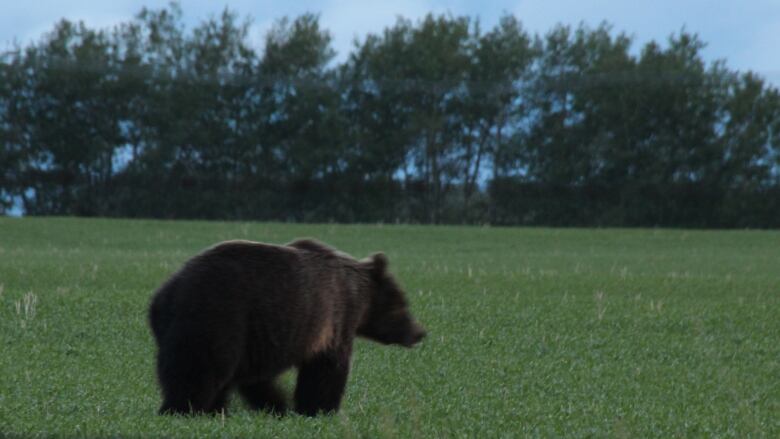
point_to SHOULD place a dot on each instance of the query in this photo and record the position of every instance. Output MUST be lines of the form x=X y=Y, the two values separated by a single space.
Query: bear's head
x=388 y=319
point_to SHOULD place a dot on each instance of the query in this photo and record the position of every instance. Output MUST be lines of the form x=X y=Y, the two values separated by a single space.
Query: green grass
x=545 y=332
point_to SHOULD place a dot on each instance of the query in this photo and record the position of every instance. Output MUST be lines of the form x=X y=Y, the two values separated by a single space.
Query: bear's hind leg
x=265 y=396
x=193 y=381
x=321 y=382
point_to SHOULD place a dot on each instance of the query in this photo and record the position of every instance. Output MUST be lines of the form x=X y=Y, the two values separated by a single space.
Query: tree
x=303 y=127
x=493 y=110
x=413 y=78
x=14 y=146
x=68 y=115
x=429 y=121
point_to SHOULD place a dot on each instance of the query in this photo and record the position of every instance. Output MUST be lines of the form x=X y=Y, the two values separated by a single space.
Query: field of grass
x=540 y=332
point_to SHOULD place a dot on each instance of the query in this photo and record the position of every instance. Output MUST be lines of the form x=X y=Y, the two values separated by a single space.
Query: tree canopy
x=432 y=121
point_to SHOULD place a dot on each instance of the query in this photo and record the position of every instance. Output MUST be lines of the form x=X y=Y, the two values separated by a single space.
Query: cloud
x=352 y=19
x=745 y=32
x=758 y=52
x=26 y=23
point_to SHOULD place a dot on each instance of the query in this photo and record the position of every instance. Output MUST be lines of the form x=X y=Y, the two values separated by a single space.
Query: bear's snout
x=417 y=334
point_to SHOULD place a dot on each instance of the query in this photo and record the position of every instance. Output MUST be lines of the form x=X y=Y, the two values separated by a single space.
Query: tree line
x=432 y=121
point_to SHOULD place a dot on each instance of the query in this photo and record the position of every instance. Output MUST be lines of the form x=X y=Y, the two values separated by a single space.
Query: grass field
x=540 y=332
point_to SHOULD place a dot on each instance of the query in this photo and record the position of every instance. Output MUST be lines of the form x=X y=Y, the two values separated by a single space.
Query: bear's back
x=226 y=279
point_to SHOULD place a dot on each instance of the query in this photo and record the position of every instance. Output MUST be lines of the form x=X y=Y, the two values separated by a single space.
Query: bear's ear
x=379 y=262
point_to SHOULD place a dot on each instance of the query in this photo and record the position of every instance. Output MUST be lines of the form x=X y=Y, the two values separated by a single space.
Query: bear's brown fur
x=241 y=313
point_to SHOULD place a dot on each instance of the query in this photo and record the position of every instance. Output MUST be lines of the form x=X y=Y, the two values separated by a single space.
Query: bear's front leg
x=321 y=382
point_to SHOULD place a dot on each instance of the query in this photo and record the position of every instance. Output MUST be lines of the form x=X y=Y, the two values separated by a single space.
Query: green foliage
x=647 y=140
x=629 y=333
x=434 y=121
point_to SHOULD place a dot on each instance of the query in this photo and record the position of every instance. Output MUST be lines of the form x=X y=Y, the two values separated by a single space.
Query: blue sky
x=744 y=32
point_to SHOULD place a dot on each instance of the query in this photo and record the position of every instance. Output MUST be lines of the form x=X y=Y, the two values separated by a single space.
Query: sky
x=745 y=33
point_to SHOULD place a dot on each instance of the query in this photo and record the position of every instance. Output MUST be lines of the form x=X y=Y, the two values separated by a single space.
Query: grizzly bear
x=240 y=313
